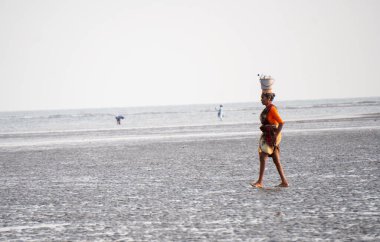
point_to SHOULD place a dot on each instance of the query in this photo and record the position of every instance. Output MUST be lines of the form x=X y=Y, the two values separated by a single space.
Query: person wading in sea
x=220 y=112
x=269 y=144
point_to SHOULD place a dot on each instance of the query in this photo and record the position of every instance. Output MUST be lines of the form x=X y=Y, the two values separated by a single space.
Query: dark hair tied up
x=270 y=96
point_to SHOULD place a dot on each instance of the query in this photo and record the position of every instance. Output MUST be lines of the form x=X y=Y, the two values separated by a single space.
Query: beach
x=141 y=121
x=191 y=189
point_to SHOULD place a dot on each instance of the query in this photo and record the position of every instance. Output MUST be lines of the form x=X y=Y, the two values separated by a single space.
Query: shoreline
x=365 y=116
x=175 y=137
x=52 y=139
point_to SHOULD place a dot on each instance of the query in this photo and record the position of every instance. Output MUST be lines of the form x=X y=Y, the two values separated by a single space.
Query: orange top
x=273 y=116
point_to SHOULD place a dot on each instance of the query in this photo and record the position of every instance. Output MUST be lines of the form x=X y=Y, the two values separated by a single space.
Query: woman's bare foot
x=257 y=184
x=283 y=184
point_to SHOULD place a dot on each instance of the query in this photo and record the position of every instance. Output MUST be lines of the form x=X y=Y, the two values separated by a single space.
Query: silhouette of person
x=118 y=119
x=220 y=112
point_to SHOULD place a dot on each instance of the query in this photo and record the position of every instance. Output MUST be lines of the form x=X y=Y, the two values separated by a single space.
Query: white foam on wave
x=178 y=136
x=69 y=131
x=121 y=128
x=127 y=138
x=333 y=129
x=34 y=226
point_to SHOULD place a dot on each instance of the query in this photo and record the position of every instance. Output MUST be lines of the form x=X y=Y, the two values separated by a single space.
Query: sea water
x=57 y=185
x=65 y=127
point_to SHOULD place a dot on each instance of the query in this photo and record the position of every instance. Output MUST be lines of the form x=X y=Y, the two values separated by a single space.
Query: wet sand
x=194 y=190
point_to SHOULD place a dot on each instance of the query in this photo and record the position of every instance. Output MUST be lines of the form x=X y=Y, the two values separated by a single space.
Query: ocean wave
x=204 y=126
x=333 y=105
x=78 y=115
x=116 y=130
x=368 y=102
x=155 y=113
x=145 y=137
x=191 y=136
x=95 y=115
x=56 y=116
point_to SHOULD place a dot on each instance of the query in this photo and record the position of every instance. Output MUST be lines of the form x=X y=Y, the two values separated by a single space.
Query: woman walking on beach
x=271 y=137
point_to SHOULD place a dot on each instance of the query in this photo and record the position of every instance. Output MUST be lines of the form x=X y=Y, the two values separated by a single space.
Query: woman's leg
x=276 y=160
x=263 y=158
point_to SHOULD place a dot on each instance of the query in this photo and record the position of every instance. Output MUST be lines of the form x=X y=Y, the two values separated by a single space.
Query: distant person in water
x=269 y=144
x=118 y=119
x=220 y=112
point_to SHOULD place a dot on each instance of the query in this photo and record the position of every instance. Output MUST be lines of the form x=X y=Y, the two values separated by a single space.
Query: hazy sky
x=77 y=54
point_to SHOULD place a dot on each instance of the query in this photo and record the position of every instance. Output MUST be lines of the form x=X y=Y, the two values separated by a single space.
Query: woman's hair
x=270 y=96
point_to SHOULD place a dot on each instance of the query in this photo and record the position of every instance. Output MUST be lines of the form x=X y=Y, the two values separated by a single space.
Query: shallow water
x=196 y=189
x=178 y=173
x=179 y=116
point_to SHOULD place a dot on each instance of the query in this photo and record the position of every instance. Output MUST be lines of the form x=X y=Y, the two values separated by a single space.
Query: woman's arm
x=276 y=116
x=279 y=128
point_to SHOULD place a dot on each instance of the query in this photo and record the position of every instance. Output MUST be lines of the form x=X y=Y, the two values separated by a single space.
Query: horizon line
x=171 y=105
